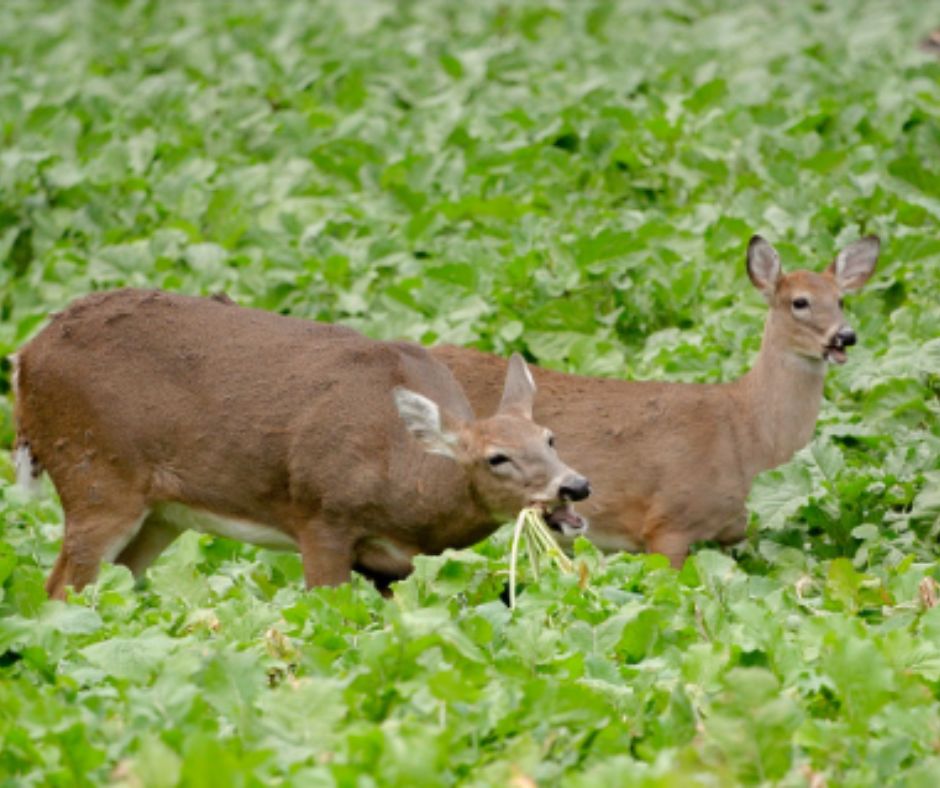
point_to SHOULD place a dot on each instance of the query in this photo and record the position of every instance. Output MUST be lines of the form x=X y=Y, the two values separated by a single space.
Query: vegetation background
x=576 y=180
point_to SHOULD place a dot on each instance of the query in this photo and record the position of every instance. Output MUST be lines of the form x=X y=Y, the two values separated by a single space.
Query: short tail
x=28 y=469
x=27 y=466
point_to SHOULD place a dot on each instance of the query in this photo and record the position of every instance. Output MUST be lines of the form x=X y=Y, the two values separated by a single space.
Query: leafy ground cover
x=573 y=180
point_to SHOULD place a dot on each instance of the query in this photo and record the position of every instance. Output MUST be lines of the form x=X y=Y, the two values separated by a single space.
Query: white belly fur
x=614 y=542
x=187 y=519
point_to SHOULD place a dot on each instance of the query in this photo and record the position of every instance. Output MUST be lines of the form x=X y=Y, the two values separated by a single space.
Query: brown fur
x=133 y=399
x=673 y=463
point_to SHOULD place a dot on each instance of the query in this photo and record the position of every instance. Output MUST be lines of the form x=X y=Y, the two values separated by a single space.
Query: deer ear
x=855 y=264
x=422 y=418
x=519 y=390
x=763 y=266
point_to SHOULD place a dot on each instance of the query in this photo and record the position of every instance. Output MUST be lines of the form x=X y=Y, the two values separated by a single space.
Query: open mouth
x=835 y=353
x=564 y=519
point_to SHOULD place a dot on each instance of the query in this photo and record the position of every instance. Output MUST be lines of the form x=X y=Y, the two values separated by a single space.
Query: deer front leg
x=735 y=531
x=327 y=555
x=672 y=544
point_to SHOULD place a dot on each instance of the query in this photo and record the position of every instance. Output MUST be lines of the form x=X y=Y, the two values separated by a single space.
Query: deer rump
x=136 y=402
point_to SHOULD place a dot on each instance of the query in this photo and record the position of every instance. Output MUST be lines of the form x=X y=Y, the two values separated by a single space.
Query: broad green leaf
x=778 y=495
x=132 y=658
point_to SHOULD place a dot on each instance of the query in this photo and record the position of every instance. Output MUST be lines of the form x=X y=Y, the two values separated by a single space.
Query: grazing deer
x=673 y=463
x=154 y=413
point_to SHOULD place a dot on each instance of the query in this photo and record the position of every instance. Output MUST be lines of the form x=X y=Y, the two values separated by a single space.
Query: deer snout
x=563 y=518
x=845 y=336
x=575 y=488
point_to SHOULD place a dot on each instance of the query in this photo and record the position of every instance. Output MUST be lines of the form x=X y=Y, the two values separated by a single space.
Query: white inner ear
x=763 y=265
x=519 y=388
x=528 y=373
x=854 y=264
x=418 y=412
x=519 y=369
x=422 y=417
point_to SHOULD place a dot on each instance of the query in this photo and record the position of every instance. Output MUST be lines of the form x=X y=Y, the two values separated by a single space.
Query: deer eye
x=800 y=303
x=551 y=441
x=496 y=460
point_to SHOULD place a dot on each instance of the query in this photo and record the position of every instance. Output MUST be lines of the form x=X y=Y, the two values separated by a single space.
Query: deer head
x=806 y=307
x=511 y=461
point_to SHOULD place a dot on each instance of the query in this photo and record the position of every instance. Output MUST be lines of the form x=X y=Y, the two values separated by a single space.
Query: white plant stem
x=538 y=541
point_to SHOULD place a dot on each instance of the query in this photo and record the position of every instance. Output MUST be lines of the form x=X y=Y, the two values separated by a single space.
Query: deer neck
x=783 y=391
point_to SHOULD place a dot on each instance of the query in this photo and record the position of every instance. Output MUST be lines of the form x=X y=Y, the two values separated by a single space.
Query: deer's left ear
x=855 y=264
x=519 y=389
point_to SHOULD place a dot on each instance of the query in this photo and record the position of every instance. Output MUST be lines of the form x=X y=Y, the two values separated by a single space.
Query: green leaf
x=778 y=495
x=69 y=619
x=132 y=658
x=156 y=764
x=828 y=458
x=861 y=676
x=231 y=682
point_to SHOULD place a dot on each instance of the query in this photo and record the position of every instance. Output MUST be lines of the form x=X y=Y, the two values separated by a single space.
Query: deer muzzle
x=575 y=489
x=835 y=350
x=563 y=517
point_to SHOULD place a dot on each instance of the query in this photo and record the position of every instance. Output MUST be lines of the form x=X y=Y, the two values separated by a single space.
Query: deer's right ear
x=519 y=391
x=763 y=266
x=422 y=417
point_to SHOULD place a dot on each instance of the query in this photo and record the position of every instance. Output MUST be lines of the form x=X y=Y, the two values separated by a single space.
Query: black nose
x=576 y=489
x=846 y=337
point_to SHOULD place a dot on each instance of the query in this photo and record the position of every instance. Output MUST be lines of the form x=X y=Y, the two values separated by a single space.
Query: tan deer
x=673 y=463
x=153 y=413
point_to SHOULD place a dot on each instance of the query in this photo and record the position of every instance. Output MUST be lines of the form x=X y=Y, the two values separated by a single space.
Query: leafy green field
x=577 y=180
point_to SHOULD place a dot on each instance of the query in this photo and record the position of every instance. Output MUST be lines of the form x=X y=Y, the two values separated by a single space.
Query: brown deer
x=153 y=413
x=672 y=463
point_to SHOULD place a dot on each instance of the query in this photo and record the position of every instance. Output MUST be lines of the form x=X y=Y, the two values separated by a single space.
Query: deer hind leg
x=92 y=536
x=154 y=536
